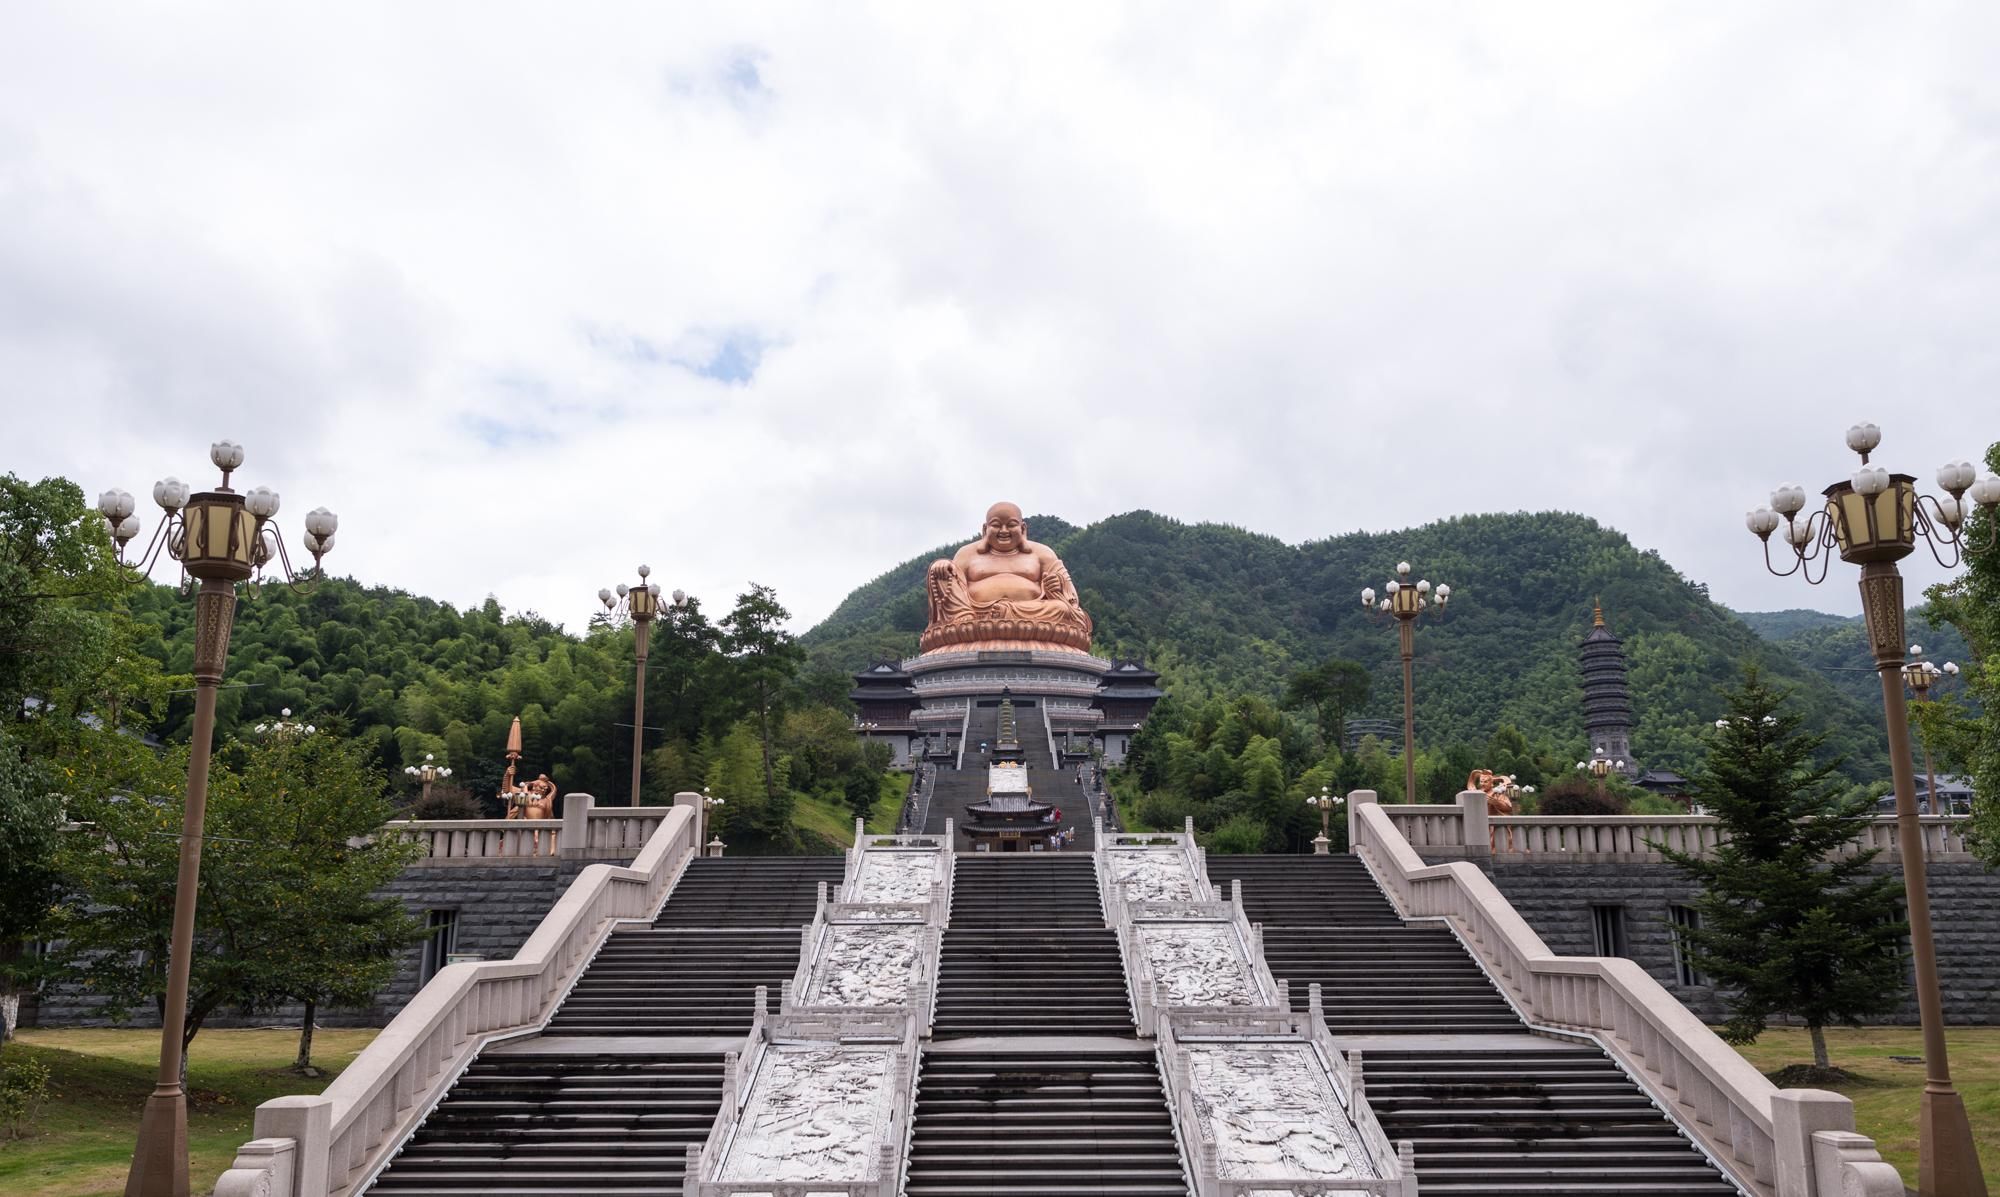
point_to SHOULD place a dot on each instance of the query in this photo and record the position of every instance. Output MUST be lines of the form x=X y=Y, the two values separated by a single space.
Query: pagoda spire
x=1607 y=697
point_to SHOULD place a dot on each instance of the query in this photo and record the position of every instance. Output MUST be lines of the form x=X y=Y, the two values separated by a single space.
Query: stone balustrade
x=1263 y=1099
x=584 y=832
x=334 y=1143
x=1781 y=1143
x=843 y=1046
x=1437 y=830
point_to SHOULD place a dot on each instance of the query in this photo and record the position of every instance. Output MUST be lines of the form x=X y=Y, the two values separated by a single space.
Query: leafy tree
x=1335 y=688
x=313 y=805
x=1788 y=925
x=65 y=663
x=30 y=818
x=1574 y=795
x=767 y=659
x=285 y=912
x=1965 y=736
x=735 y=776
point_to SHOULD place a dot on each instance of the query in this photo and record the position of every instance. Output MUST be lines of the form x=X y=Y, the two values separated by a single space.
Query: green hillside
x=1837 y=646
x=1222 y=610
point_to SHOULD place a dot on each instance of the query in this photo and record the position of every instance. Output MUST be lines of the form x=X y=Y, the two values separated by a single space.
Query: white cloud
x=492 y=281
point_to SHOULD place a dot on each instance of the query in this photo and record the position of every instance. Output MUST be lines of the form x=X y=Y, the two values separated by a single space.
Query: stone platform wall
x=498 y=907
x=1555 y=899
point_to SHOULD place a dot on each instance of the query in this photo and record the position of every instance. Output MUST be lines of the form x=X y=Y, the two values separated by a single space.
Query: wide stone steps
x=670 y=982
x=750 y=891
x=1028 y=953
x=542 y=1123
x=1053 y=1123
x=1554 y=1119
x=527 y=1125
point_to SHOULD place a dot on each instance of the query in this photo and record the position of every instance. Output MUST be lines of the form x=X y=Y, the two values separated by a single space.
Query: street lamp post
x=1324 y=800
x=1406 y=603
x=708 y=805
x=427 y=773
x=1874 y=520
x=1920 y=675
x=220 y=537
x=642 y=604
x=1600 y=767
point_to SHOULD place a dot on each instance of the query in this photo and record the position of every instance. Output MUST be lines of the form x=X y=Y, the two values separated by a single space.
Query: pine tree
x=1792 y=924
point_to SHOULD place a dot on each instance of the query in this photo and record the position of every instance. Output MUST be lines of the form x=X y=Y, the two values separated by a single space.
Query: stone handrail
x=1428 y=825
x=1392 y=1163
x=890 y=1033
x=1764 y=1137
x=585 y=831
x=342 y=1137
x=514 y=841
x=1466 y=829
x=942 y=842
x=1113 y=895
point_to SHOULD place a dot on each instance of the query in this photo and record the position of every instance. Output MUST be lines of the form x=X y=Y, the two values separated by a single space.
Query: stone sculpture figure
x=1003 y=591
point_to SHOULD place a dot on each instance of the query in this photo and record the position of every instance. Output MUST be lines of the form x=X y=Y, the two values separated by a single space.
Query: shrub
x=24 y=1085
x=447 y=802
x=1240 y=834
x=1579 y=796
x=1161 y=811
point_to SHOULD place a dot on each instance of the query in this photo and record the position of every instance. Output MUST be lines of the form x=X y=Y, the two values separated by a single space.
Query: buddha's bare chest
x=994 y=565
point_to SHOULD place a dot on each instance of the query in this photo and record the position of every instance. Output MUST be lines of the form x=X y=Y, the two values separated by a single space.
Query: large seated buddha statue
x=1003 y=591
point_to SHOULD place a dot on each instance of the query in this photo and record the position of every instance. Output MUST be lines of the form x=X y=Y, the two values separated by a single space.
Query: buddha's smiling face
x=1004 y=531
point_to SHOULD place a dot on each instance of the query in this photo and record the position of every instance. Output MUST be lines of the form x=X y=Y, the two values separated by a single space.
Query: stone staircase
x=1028 y=952
x=1489 y=1108
x=543 y=1124
x=956 y=789
x=1051 y=1122
x=629 y=1071
x=1035 y=1082
x=1377 y=975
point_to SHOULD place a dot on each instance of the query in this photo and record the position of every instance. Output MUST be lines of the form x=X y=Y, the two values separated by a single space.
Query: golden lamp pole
x=1920 y=675
x=1874 y=520
x=427 y=773
x=641 y=604
x=221 y=538
x=1406 y=603
x=1600 y=767
x=1324 y=800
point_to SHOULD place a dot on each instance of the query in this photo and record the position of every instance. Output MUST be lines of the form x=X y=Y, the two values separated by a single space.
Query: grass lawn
x=835 y=822
x=99 y=1079
x=1885 y=1100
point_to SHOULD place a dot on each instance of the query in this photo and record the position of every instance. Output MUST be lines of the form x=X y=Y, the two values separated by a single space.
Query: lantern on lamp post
x=1920 y=675
x=221 y=538
x=1406 y=603
x=427 y=773
x=1874 y=519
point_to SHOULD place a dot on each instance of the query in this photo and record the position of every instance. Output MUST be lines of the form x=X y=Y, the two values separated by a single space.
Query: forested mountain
x=1837 y=646
x=410 y=675
x=1219 y=610
x=1778 y=625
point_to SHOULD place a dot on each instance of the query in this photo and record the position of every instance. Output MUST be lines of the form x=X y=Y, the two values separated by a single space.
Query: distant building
x=1954 y=791
x=1607 y=698
x=1387 y=731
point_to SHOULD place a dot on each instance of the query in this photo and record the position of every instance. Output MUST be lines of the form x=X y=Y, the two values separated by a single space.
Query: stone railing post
x=692 y=801
x=1473 y=826
x=308 y=1122
x=1796 y=1115
x=1355 y=800
x=576 y=825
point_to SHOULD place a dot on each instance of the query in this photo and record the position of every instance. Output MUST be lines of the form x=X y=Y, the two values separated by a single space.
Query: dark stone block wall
x=1555 y=899
x=498 y=907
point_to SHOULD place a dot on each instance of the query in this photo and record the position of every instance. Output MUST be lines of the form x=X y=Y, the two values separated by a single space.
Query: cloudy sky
x=791 y=292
